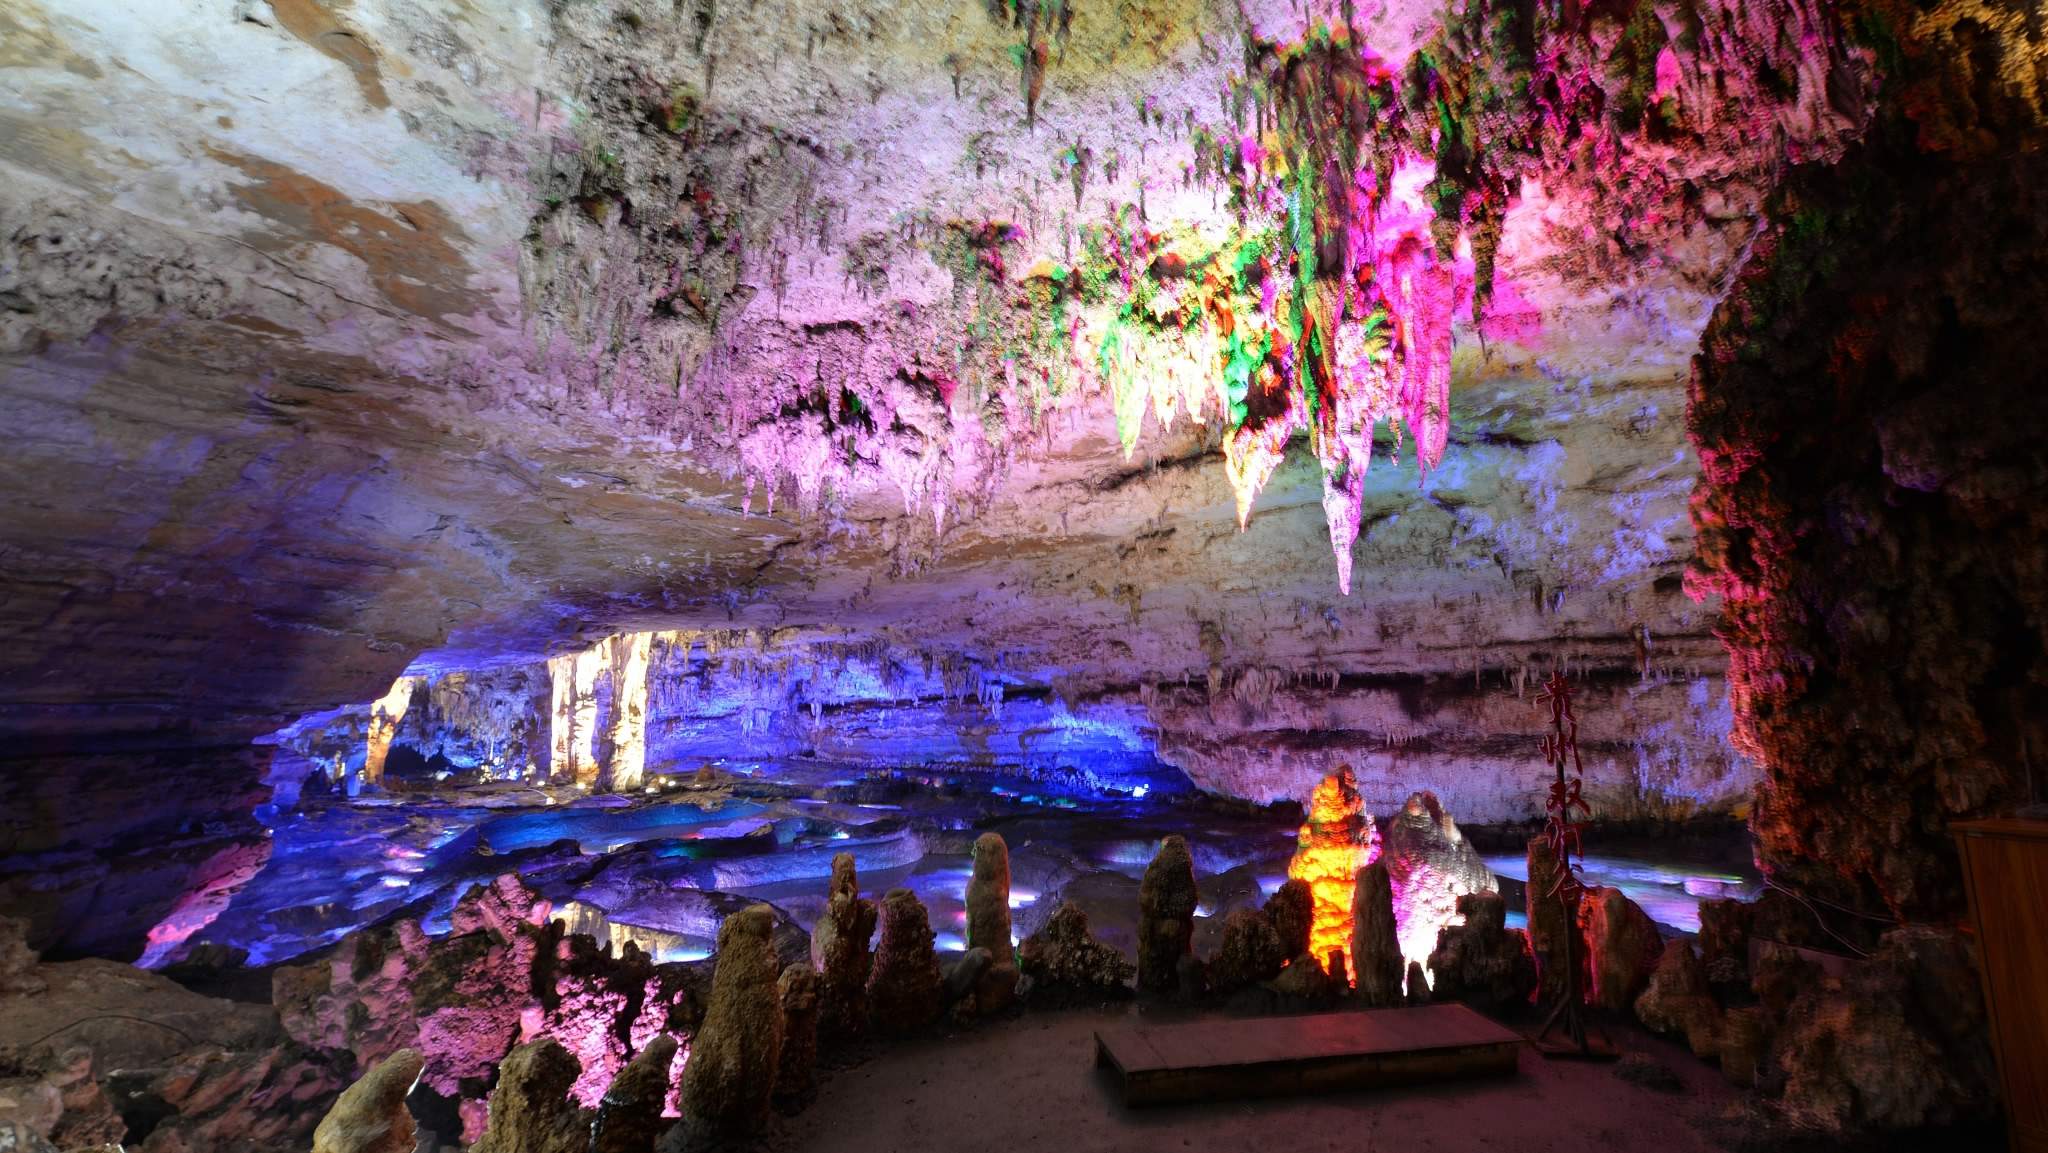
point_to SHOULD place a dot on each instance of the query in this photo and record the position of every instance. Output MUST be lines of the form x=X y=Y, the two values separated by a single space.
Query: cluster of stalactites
x=1335 y=318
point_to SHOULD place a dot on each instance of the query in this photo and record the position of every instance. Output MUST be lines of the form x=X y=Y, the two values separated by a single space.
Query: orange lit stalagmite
x=1337 y=840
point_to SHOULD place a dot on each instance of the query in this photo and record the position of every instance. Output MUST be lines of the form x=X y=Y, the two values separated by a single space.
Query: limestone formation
x=1336 y=839
x=737 y=1052
x=530 y=1109
x=1551 y=917
x=1675 y=1001
x=988 y=924
x=1897 y=1044
x=1723 y=940
x=1291 y=908
x=629 y=1116
x=1430 y=865
x=1250 y=952
x=797 y=989
x=1417 y=990
x=1375 y=942
x=906 y=989
x=1622 y=947
x=1166 y=916
x=370 y=1116
x=988 y=897
x=19 y=1137
x=962 y=974
x=17 y=960
x=1304 y=982
x=1743 y=1038
x=266 y=1097
x=840 y=953
x=1067 y=965
x=1482 y=962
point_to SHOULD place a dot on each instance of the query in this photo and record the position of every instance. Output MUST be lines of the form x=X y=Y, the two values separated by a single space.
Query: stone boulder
x=530 y=1108
x=1723 y=939
x=840 y=953
x=1250 y=952
x=370 y=1116
x=1430 y=865
x=797 y=989
x=629 y=1116
x=250 y=1098
x=1067 y=965
x=906 y=990
x=1622 y=947
x=1303 y=984
x=1166 y=916
x=1675 y=1001
x=1898 y=1043
x=730 y=1076
x=1375 y=940
x=1482 y=962
x=1292 y=909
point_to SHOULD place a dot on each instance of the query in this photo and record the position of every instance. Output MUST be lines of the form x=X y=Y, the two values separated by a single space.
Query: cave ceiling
x=341 y=337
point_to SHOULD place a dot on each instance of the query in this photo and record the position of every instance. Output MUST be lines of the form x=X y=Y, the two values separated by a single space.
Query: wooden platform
x=1281 y=1056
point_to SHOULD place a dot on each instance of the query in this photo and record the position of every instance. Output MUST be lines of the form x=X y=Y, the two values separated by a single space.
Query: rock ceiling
x=340 y=336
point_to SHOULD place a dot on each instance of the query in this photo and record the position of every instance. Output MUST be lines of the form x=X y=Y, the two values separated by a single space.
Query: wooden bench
x=1282 y=1056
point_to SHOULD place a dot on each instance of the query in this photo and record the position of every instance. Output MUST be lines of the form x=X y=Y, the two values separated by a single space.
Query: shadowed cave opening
x=642 y=576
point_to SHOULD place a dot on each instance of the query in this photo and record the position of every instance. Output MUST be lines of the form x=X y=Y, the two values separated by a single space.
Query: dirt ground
x=1030 y=1084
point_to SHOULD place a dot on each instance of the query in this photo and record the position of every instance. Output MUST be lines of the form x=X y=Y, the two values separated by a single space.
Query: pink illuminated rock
x=1430 y=866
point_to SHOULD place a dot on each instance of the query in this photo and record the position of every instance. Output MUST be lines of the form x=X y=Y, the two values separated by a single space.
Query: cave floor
x=1029 y=1083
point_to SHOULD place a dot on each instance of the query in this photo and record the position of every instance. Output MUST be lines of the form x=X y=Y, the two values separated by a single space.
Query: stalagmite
x=730 y=1077
x=629 y=1117
x=797 y=989
x=1291 y=908
x=906 y=990
x=1430 y=865
x=1375 y=945
x=988 y=923
x=370 y=1116
x=1166 y=916
x=1336 y=841
x=530 y=1109
x=839 y=950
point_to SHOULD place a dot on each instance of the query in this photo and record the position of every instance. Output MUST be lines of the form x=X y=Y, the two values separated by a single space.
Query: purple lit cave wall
x=550 y=542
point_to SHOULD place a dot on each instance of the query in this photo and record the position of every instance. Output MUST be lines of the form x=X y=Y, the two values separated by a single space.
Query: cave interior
x=631 y=575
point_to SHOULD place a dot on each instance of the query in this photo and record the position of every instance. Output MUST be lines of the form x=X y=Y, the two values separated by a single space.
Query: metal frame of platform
x=1285 y=1056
